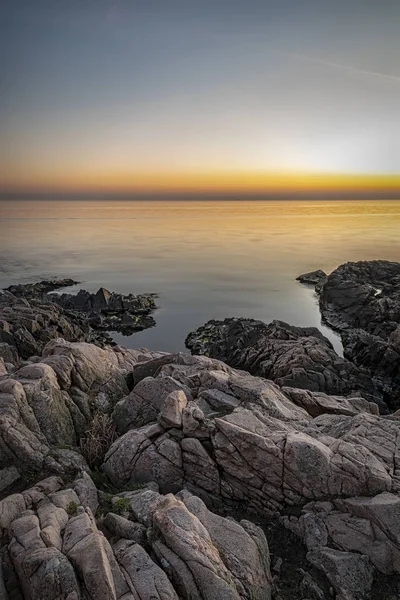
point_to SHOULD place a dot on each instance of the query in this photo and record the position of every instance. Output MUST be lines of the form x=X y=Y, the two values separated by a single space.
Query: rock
x=318 y=403
x=8 y=476
x=30 y=316
x=86 y=491
x=143 y=404
x=122 y=528
x=310 y=527
x=350 y=574
x=22 y=443
x=48 y=403
x=313 y=278
x=310 y=589
x=109 y=311
x=58 y=551
x=9 y=353
x=306 y=448
x=3 y=368
x=298 y=357
x=243 y=547
x=10 y=508
x=34 y=290
x=188 y=539
x=142 y=574
x=89 y=367
x=362 y=301
x=263 y=450
x=90 y=553
x=33 y=323
x=172 y=409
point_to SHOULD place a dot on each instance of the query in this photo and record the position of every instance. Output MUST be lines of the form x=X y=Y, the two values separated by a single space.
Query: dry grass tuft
x=97 y=439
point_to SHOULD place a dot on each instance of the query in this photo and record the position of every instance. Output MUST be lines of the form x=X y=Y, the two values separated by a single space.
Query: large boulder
x=254 y=445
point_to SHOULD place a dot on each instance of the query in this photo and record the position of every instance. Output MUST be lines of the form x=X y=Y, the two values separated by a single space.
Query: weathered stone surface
x=143 y=576
x=89 y=366
x=21 y=440
x=46 y=399
x=308 y=450
x=350 y=574
x=109 y=311
x=188 y=538
x=318 y=403
x=298 y=357
x=57 y=550
x=86 y=491
x=264 y=451
x=8 y=476
x=172 y=409
x=242 y=547
x=362 y=301
x=143 y=404
x=120 y=527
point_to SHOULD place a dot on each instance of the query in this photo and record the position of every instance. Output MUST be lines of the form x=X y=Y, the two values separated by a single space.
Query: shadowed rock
x=361 y=300
x=299 y=357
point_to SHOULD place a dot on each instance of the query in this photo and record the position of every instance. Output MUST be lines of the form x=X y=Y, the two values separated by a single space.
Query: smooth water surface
x=205 y=259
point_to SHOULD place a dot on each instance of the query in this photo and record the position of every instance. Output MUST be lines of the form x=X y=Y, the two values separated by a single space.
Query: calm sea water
x=205 y=259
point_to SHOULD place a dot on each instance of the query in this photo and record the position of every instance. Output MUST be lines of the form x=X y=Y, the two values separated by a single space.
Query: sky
x=199 y=96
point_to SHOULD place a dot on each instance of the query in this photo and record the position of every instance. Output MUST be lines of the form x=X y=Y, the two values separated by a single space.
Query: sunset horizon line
x=213 y=184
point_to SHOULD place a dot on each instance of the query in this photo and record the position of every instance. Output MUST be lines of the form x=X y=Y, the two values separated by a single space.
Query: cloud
x=349 y=68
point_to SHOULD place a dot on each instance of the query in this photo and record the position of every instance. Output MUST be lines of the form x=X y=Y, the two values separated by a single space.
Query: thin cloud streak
x=334 y=65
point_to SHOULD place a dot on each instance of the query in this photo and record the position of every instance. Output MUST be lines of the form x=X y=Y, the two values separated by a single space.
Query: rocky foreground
x=268 y=469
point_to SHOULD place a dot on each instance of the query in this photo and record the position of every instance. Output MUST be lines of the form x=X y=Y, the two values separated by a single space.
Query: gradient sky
x=197 y=94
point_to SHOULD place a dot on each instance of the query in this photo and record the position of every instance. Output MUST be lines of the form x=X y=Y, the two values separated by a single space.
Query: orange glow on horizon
x=218 y=182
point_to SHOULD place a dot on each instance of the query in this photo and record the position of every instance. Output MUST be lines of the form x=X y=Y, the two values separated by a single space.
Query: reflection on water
x=206 y=259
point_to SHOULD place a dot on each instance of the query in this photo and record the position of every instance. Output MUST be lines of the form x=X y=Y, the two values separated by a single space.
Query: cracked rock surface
x=269 y=469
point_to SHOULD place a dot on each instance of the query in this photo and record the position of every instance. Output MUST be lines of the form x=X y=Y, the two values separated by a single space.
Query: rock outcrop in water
x=298 y=357
x=30 y=316
x=273 y=477
x=362 y=302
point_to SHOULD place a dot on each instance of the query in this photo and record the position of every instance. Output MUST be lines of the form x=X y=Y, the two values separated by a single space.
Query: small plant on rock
x=97 y=439
x=120 y=506
x=72 y=509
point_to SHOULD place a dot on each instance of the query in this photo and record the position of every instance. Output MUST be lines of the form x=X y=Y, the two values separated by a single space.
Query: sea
x=204 y=259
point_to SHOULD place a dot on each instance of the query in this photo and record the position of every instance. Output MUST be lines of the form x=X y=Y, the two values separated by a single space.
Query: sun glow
x=207 y=183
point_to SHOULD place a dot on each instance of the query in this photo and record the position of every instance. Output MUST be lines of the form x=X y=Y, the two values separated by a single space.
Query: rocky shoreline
x=32 y=314
x=261 y=466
